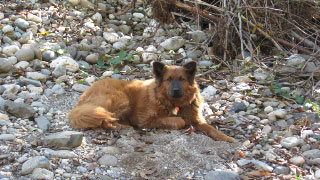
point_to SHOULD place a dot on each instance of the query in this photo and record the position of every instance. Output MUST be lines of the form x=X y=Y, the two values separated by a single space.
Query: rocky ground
x=51 y=51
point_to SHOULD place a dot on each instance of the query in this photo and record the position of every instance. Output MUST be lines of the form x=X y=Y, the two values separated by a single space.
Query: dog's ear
x=191 y=69
x=158 y=71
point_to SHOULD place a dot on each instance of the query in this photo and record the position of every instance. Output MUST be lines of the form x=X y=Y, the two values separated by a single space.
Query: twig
x=240 y=32
x=306 y=41
x=131 y=5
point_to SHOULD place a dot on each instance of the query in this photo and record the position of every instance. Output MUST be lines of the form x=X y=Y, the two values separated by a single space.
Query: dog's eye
x=181 y=79
x=169 y=79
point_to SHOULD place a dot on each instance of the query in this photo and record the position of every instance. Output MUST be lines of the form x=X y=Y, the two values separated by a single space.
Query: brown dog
x=110 y=103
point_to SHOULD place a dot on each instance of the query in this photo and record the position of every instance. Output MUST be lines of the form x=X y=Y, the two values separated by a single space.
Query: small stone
x=5 y=65
x=27 y=81
x=310 y=67
x=64 y=139
x=34 y=18
x=80 y=87
x=280 y=113
x=306 y=133
x=40 y=173
x=111 y=37
x=271 y=103
x=221 y=175
x=21 y=23
x=311 y=154
x=198 y=36
x=86 y=4
x=43 y=123
x=281 y=123
x=110 y=150
x=48 y=55
x=81 y=169
x=241 y=79
x=281 y=170
x=58 y=89
x=266 y=129
x=4 y=117
x=268 y=109
x=20 y=110
x=173 y=43
x=208 y=93
x=65 y=154
x=261 y=164
x=74 y=2
x=237 y=107
x=317 y=174
x=25 y=54
x=107 y=73
x=295 y=60
x=92 y=58
x=205 y=63
x=290 y=142
x=35 y=162
x=272 y=117
x=68 y=62
x=97 y=17
x=59 y=70
x=260 y=74
x=37 y=76
x=10 y=50
x=7 y=137
x=108 y=160
x=119 y=45
x=138 y=15
x=297 y=160
x=125 y=29
x=7 y=28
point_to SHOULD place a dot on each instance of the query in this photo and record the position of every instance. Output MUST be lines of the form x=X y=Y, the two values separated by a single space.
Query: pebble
x=208 y=93
x=58 y=89
x=297 y=160
x=266 y=129
x=311 y=154
x=281 y=170
x=173 y=43
x=280 y=113
x=290 y=142
x=37 y=76
x=108 y=160
x=111 y=37
x=261 y=164
x=241 y=79
x=22 y=64
x=237 y=107
x=33 y=163
x=68 y=62
x=198 y=36
x=5 y=65
x=65 y=154
x=7 y=137
x=110 y=150
x=138 y=15
x=92 y=58
x=268 y=109
x=317 y=174
x=59 y=70
x=64 y=139
x=80 y=87
x=43 y=123
x=205 y=63
x=221 y=175
x=10 y=50
x=25 y=54
x=48 y=55
x=21 y=23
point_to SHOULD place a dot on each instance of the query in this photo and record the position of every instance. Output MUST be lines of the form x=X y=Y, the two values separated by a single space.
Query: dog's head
x=175 y=80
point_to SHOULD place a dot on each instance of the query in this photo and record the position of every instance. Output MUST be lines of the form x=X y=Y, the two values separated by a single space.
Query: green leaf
x=116 y=60
x=277 y=90
x=84 y=75
x=116 y=70
x=299 y=99
x=286 y=95
x=238 y=10
x=80 y=82
x=122 y=54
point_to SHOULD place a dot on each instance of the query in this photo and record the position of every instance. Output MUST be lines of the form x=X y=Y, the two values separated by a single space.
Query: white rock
x=97 y=17
x=4 y=117
x=268 y=109
x=37 y=76
x=317 y=174
x=295 y=60
x=173 y=43
x=80 y=87
x=92 y=58
x=74 y=2
x=266 y=129
x=25 y=54
x=7 y=29
x=40 y=173
x=107 y=73
x=110 y=150
x=68 y=62
x=306 y=133
x=149 y=54
x=10 y=50
x=13 y=60
x=21 y=23
x=297 y=160
x=65 y=154
x=138 y=15
x=111 y=37
x=290 y=142
x=280 y=113
x=272 y=117
x=22 y=64
x=119 y=45
x=260 y=74
x=208 y=93
x=34 y=18
x=7 y=137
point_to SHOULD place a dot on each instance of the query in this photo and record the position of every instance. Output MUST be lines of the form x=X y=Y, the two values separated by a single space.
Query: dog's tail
x=91 y=116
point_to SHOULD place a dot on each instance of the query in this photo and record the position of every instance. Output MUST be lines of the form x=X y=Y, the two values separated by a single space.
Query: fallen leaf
x=241 y=154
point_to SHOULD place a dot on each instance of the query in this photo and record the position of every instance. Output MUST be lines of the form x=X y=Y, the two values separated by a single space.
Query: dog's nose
x=176 y=93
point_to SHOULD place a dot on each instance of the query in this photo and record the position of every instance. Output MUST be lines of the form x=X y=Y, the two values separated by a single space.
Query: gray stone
x=5 y=65
x=221 y=175
x=37 y=64
x=81 y=55
x=92 y=58
x=240 y=79
x=58 y=89
x=25 y=54
x=68 y=62
x=281 y=170
x=173 y=43
x=317 y=174
x=110 y=150
x=65 y=154
x=48 y=55
x=7 y=137
x=125 y=29
x=2 y=89
x=198 y=36
x=21 y=23
x=87 y=4
x=27 y=81
x=35 y=162
x=40 y=173
x=205 y=63
x=237 y=107
x=20 y=110
x=108 y=160
x=295 y=60
x=260 y=74
x=208 y=93
x=82 y=169
x=138 y=15
x=311 y=154
x=59 y=70
x=26 y=37
x=297 y=160
x=281 y=123
x=43 y=123
x=111 y=37
x=37 y=76
x=290 y=142
x=310 y=67
x=80 y=87
x=119 y=45
x=64 y=139
x=74 y=2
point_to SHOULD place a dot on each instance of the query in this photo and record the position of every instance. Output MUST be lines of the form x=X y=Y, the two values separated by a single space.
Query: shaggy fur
x=111 y=103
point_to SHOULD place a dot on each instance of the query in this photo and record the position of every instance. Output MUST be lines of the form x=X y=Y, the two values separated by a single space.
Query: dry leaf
x=241 y=154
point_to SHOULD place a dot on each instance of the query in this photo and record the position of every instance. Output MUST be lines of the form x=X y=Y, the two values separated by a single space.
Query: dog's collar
x=175 y=111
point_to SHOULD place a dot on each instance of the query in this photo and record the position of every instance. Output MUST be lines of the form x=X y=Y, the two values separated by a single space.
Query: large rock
x=173 y=43
x=7 y=137
x=37 y=76
x=40 y=173
x=5 y=65
x=290 y=142
x=312 y=154
x=20 y=110
x=43 y=123
x=35 y=162
x=25 y=54
x=221 y=175
x=68 y=62
x=21 y=23
x=295 y=60
x=64 y=139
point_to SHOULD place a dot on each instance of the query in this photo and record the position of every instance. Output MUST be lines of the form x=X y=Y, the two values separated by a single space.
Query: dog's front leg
x=192 y=116
x=168 y=123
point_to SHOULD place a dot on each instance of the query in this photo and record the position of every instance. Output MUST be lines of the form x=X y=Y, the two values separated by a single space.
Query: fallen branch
x=305 y=41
